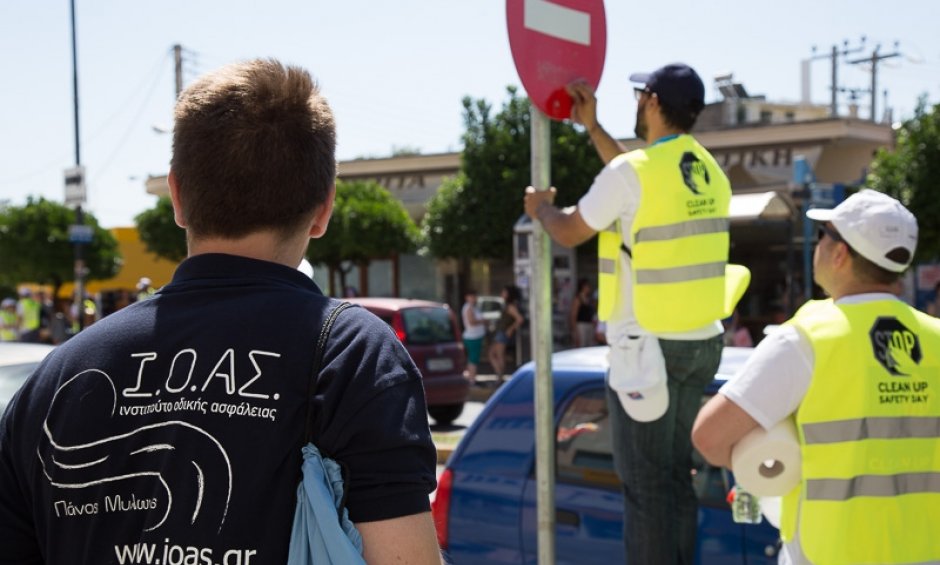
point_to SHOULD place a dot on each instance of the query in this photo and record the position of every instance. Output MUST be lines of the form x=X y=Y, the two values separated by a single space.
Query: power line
x=834 y=57
x=134 y=122
x=874 y=59
x=157 y=69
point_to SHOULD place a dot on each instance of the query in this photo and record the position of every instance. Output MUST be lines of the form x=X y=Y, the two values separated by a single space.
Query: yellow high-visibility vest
x=679 y=242
x=31 y=314
x=7 y=325
x=869 y=429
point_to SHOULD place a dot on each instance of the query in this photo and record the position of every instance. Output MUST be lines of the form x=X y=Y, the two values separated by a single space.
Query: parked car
x=17 y=362
x=430 y=333
x=485 y=505
x=491 y=308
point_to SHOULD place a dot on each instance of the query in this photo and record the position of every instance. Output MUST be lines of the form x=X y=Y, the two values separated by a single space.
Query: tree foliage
x=911 y=173
x=158 y=231
x=367 y=223
x=472 y=216
x=35 y=245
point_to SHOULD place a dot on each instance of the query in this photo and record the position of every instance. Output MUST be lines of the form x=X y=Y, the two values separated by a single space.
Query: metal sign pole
x=540 y=300
x=79 y=216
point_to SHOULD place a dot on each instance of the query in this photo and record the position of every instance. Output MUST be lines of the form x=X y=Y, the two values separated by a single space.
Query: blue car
x=485 y=506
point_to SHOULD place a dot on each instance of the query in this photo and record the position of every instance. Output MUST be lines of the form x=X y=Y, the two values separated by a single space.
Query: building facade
x=757 y=143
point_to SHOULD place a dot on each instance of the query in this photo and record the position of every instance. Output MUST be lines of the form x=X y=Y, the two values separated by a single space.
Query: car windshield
x=12 y=378
x=425 y=326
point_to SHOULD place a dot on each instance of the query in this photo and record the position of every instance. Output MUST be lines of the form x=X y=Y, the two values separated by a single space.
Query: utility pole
x=834 y=57
x=874 y=60
x=178 y=60
x=79 y=216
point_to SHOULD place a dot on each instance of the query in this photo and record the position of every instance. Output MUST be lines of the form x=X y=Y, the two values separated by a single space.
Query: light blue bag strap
x=322 y=533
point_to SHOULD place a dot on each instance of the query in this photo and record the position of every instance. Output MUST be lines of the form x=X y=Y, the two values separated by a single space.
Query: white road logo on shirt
x=200 y=466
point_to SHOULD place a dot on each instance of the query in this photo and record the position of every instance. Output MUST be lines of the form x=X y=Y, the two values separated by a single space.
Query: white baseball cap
x=875 y=225
x=638 y=376
x=646 y=405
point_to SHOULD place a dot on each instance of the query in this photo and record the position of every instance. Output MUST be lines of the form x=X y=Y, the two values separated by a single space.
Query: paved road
x=447 y=437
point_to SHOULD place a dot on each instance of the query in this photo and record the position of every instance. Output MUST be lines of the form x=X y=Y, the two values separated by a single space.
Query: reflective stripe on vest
x=679 y=274
x=683 y=229
x=608 y=267
x=679 y=237
x=869 y=428
x=872 y=485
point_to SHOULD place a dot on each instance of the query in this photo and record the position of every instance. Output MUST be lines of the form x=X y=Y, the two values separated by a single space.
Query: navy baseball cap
x=676 y=85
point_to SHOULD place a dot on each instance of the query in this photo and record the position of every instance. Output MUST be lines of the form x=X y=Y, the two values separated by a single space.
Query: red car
x=430 y=333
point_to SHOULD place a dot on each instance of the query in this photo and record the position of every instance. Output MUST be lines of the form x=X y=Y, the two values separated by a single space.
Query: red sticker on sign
x=555 y=43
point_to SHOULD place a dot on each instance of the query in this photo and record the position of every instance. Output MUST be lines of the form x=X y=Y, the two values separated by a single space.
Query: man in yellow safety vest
x=29 y=316
x=860 y=375
x=662 y=215
x=8 y=320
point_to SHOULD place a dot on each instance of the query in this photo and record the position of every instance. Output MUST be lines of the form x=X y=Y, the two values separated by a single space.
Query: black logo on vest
x=693 y=171
x=896 y=347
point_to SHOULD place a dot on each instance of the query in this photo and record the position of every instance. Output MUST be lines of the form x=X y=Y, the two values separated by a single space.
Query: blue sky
x=394 y=72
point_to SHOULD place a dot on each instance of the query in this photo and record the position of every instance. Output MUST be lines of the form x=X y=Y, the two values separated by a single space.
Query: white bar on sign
x=557 y=21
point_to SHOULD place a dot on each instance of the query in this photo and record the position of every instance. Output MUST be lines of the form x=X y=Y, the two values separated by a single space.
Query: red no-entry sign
x=553 y=43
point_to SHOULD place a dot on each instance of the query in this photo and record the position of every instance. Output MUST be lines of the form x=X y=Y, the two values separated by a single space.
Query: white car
x=17 y=362
x=491 y=308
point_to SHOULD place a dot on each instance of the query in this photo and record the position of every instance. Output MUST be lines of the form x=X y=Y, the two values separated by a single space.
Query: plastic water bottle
x=745 y=507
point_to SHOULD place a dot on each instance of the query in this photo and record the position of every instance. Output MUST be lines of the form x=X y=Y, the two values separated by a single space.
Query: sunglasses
x=824 y=230
x=639 y=92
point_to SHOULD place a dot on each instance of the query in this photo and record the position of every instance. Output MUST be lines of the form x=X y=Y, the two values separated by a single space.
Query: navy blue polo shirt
x=171 y=431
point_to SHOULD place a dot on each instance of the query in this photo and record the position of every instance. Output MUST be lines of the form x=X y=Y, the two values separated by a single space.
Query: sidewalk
x=446 y=438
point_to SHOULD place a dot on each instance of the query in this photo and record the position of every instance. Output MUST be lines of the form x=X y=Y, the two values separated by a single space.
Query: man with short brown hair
x=171 y=431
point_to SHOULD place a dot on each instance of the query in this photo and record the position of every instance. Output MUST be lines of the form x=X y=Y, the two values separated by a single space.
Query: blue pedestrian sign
x=80 y=233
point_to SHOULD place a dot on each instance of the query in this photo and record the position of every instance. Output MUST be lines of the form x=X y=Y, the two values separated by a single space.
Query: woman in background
x=581 y=316
x=509 y=322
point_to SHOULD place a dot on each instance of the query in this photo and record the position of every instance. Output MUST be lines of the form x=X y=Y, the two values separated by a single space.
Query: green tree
x=911 y=173
x=472 y=216
x=35 y=246
x=159 y=233
x=367 y=223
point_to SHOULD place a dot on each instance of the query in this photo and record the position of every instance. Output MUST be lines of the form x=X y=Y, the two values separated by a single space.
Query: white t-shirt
x=615 y=195
x=772 y=383
x=472 y=331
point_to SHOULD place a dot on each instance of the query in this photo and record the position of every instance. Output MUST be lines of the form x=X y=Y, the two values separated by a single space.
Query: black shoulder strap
x=317 y=360
x=625 y=249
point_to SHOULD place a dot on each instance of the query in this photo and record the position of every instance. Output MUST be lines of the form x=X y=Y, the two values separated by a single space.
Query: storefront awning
x=760 y=206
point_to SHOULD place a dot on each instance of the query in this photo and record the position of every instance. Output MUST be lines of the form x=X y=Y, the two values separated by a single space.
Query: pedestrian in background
x=28 y=316
x=662 y=215
x=178 y=422
x=510 y=320
x=736 y=334
x=8 y=325
x=858 y=373
x=581 y=318
x=933 y=306
x=474 y=330
x=145 y=289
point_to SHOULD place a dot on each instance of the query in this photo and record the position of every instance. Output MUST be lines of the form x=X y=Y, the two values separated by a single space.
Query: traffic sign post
x=79 y=233
x=554 y=43
x=540 y=302
x=75 y=186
